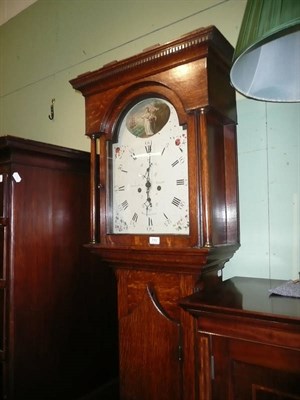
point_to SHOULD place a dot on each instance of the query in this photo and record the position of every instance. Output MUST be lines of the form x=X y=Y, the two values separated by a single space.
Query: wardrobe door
x=3 y=273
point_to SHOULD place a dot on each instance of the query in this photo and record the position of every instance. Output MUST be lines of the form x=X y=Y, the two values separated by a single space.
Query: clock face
x=150 y=172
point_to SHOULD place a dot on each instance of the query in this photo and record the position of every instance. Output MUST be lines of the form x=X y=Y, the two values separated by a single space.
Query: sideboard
x=247 y=342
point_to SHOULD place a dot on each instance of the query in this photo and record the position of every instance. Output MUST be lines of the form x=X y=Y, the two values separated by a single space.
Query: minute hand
x=148 y=202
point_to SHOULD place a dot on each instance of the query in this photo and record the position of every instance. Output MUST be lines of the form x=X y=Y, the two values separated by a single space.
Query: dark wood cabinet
x=247 y=342
x=58 y=334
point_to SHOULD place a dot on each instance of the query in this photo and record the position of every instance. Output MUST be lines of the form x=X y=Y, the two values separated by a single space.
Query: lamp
x=266 y=62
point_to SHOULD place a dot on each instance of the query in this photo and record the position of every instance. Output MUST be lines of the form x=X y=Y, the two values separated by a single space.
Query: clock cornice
x=190 y=47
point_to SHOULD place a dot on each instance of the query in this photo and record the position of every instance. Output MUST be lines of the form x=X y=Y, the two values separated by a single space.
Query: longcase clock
x=164 y=197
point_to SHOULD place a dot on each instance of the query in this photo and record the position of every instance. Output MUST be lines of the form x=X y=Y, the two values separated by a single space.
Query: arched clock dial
x=150 y=172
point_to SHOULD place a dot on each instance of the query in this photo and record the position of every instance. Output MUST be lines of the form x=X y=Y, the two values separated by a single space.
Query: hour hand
x=148 y=204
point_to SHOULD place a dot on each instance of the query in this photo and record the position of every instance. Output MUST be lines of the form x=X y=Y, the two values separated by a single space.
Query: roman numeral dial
x=150 y=192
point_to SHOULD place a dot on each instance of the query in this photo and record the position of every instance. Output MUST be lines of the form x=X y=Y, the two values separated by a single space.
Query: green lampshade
x=266 y=62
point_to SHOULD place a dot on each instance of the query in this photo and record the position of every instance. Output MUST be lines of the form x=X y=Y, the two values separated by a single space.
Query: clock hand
x=148 y=203
x=147 y=174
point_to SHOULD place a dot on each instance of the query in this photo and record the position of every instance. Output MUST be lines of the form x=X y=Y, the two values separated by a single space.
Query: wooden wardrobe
x=58 y=333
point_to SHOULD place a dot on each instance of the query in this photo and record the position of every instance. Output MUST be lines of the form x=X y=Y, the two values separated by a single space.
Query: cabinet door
x=3 y=272
x=252 y=371
x=150 y=337
x=3 y=193
x=3 y=219
x=263 y=372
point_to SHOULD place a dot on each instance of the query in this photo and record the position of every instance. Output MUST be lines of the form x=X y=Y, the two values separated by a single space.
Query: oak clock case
x=164 y=198
x=149 y=165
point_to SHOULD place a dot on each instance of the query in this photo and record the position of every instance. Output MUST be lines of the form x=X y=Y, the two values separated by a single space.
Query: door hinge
x=180 y=353
x=212 y=367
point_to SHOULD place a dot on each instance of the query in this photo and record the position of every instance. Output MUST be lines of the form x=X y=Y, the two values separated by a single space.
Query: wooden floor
x=109 y=391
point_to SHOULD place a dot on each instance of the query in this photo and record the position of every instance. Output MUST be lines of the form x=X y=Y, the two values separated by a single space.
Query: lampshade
x=266 y=62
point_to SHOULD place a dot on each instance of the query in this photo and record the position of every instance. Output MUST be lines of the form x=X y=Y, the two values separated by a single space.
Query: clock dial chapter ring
x=150 y=166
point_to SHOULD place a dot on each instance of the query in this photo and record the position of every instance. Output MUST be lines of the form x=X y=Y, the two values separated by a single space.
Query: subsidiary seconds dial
x=150 y=172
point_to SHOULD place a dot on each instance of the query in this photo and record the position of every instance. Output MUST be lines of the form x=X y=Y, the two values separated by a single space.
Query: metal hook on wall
x=51 y=116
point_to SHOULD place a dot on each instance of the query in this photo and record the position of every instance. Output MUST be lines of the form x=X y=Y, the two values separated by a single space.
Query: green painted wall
x=53 y=41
